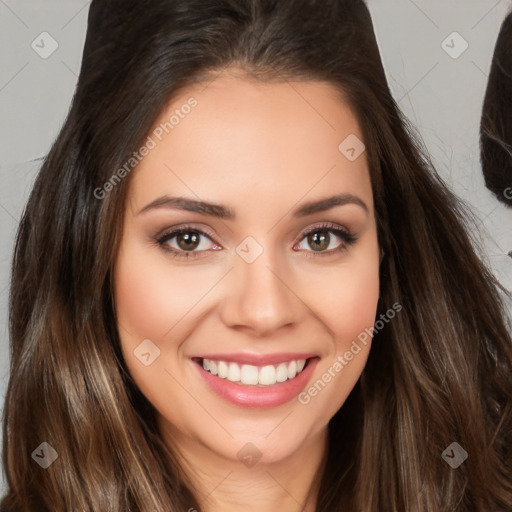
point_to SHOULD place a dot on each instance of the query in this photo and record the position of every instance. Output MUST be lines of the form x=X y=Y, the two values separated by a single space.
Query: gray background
x=440 y=94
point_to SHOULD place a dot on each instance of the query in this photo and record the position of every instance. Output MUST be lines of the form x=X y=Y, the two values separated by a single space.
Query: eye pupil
x=188 y=240
x=320 y=239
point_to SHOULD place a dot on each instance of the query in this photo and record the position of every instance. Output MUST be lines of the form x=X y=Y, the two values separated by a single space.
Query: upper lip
x=258 y=359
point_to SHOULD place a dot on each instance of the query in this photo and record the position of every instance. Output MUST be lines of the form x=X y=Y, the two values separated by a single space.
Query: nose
x=260 y=297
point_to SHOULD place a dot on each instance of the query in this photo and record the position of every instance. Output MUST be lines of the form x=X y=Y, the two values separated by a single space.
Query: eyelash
x=347 y=238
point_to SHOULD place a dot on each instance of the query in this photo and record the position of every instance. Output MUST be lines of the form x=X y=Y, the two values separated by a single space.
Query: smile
x=248 y=374
x=269 y=381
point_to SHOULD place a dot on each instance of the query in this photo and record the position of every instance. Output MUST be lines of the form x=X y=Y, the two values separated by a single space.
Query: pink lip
x=258 y=359
x=253 y=396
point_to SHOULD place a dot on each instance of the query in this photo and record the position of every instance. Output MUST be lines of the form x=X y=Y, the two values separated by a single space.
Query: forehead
x=234 y=137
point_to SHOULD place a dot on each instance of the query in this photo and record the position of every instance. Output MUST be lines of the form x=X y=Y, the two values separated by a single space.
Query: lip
x=254 y=396
x=257 y=359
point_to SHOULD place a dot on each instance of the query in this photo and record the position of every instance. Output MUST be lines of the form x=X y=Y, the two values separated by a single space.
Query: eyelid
x=328 y=226
x=175 y=230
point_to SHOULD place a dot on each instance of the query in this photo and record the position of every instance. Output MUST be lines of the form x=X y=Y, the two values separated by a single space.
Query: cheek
x=348 y=316
x=152 y=299
x=345 y=300
x=151 y=296
x=356 y=305
x=344 y=296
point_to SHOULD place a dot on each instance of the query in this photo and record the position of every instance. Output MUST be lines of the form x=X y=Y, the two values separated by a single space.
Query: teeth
x=282 y=372
x=267 y=375
x=248 y=374
x=222 y=369
x=292 y=369
x=234 y=372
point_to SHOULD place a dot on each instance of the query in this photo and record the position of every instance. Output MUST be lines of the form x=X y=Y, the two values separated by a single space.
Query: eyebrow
x=222 y=212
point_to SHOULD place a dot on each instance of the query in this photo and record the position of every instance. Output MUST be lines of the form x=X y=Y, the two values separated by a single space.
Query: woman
x=240 y=284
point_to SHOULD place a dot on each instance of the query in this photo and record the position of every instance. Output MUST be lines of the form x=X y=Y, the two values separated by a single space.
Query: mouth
x=256 y=385
x=253 y=375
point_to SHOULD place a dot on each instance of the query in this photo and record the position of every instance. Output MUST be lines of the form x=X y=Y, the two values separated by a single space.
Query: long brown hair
x=439 y=373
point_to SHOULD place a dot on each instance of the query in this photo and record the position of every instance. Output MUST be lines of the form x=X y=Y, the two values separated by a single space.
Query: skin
x=261 y=149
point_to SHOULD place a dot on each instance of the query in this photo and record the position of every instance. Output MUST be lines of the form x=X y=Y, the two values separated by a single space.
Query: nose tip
x=259 y=301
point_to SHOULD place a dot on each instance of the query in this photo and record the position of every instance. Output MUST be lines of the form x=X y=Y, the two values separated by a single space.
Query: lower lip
x=258 y=397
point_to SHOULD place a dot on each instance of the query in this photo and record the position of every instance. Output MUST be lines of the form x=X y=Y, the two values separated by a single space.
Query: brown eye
x=319 y=241
x=188 y=241
x=326 y=239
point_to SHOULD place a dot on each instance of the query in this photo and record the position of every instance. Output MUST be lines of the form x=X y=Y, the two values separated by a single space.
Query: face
x=273 y=276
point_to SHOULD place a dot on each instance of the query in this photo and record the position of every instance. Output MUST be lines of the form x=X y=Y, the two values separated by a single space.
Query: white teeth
x=248 y=374
x=282 y=372
x=222 y=369
x=292 y=369
x=267 y=375
x=234 y=372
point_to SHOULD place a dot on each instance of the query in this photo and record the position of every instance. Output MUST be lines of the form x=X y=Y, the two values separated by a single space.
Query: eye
x=190 y=242
x=187 y=242
x=327 y=239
